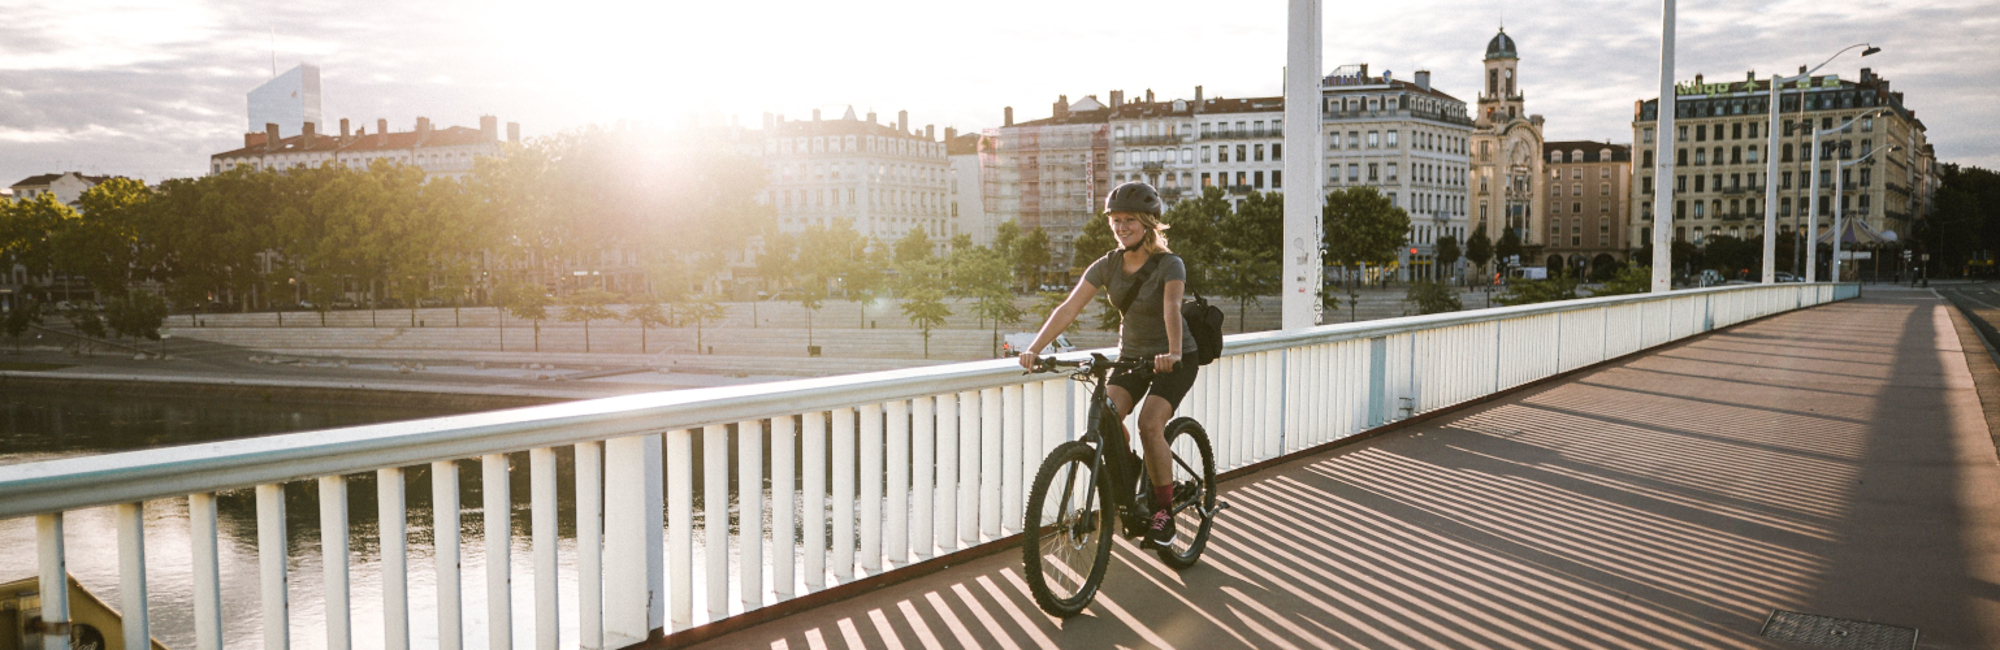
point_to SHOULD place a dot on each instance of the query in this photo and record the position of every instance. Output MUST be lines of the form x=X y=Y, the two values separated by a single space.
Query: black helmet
x=1135 y=196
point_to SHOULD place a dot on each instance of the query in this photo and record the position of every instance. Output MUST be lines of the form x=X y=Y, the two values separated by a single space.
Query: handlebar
x=1095 y=362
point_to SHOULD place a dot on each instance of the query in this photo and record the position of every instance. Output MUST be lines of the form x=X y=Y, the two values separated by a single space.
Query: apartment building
x=447 y=152
x=1050 y=173
x=1589 y=191
x=886 y=178
x=1407 y=140
x=1720 y=163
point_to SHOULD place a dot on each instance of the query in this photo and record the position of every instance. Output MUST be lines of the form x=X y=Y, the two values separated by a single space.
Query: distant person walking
x=1146 y=282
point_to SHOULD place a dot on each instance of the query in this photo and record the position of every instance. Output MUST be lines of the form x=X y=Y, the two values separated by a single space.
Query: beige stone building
x=1589 y=188
x=1507 y=177
x=1720 y=164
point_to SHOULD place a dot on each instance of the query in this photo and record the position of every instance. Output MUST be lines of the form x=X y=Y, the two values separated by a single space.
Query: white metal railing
x=901 y=466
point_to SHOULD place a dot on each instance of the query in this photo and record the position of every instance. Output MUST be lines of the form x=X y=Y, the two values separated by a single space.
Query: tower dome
x=1501 y=47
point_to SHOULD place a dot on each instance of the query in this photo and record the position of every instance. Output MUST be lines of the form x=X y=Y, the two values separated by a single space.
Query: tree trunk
x=586 y=335
x=500 y=316
x=642 y=337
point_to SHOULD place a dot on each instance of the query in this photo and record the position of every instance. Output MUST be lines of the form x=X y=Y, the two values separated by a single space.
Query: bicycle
x=1093 y=484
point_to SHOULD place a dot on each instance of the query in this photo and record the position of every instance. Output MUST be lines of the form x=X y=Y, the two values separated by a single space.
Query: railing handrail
x=134 y=476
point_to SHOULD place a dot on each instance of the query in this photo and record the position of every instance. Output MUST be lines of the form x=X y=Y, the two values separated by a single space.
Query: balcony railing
x=1147 y=140
x=1240 y=134
x=890 y=469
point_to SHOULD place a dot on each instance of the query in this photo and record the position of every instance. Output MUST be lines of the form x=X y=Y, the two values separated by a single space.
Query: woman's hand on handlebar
x=1030 y=360
x=1165 y=363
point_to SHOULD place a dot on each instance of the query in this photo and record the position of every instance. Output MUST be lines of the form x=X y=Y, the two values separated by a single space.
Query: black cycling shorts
x=1171 y=386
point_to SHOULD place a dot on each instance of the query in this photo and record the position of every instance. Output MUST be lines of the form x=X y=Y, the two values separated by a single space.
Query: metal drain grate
x=1830 y=632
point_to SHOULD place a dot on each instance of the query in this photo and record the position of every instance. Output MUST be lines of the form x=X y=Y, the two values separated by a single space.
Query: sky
x=151 y=89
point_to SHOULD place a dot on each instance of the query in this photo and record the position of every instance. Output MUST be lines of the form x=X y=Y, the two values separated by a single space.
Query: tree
x=984 y=276
x=1197 y=226
x=137 y=315
x=26 y=313
x=1432 y=297
x=647 y=313
x=703 y=307
x=589 y=305
x=1031 y=257
x=913 y=247
x=919 y=282
x=1509 y=248
x=1630 y=279
x=1479 y=251
x=1447 y=255
x=1362 y=227
x=1248 y=264
x=1561 y=286
x=1007 y=239
x=527 y=301
x=102 y=242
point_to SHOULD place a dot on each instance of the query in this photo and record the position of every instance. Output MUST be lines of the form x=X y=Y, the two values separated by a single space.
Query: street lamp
x=1839 y=181
x=1771 y=157
x=1812 y=212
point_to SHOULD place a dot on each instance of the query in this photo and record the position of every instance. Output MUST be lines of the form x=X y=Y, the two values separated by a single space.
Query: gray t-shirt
x=1143 y=332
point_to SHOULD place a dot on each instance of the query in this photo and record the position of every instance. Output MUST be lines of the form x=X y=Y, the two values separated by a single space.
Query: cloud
x=152 y=89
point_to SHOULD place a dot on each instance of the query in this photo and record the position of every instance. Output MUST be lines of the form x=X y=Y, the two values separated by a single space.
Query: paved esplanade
x=1833 y=462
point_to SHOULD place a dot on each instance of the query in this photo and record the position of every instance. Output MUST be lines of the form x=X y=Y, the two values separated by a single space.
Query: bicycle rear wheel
x=1066 y=532
x=1194 y=492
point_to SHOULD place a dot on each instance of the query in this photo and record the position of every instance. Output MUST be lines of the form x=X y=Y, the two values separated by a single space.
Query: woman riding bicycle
x=1146 y=282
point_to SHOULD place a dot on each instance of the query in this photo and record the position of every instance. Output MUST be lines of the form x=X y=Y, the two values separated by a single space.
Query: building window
x=1242 y=153
x=1205 y=180
x=1699 y=182
x=1391 y=139
x=1646 y=185
x=1374 y=170
x=1277 y=180
x=1259 y=153
x=1374 y=139
x=1222 y=153
x=1648 y=138
x=1277 y=151
x=1257 y=179
x=1392 y=172
x=1353 y=172
x=1354 y=139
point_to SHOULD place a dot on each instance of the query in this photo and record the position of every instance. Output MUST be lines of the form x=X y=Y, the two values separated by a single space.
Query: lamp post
x=1771 y=157
x=1839 y=183
x=1812 y=213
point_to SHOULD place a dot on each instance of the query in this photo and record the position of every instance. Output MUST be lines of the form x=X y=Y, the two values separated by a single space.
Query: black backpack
x=1203 y=320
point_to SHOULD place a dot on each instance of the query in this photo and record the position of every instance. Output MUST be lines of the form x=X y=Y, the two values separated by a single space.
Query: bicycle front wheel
x=1066 y=532
x=1194 y=492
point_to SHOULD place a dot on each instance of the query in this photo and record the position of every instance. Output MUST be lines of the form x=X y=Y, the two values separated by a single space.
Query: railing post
x=444 y=530
x=896 y=542
x=812 y=464
x=871 y=478
x=715 y=518
x=207 y=571
x=634 y=581
x=542 y=522
x=55 y=581
x=333 y=561
x=1378 y=381
x=393 y=526
x=991 y=480
x=1013 y=440
x=750 y=511
x=843 y=495
x=968 y=468
x=923 y=480
x=784 y=501
x=132 y=575
x=680 y=526
x=498 y=505
x=271 y=566
x=590 y=545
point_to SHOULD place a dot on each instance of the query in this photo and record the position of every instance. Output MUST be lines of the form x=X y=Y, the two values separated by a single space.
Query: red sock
x=1163 y=496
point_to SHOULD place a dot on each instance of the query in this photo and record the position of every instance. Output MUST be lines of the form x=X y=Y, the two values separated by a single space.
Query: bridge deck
x=1835 y=462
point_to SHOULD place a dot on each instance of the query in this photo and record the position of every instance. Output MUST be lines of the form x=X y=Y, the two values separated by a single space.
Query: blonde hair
x=1156 y=235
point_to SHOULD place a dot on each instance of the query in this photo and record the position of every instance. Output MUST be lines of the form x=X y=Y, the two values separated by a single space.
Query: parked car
x=1015 y=343
x=1782 y=276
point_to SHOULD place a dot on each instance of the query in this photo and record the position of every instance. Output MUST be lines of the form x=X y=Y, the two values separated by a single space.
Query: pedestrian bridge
x=1629 y=472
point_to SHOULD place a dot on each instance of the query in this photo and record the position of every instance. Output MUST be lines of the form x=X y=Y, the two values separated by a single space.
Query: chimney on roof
x=1009 y=119
x=253 y=140
x=1697 y=78
x=1197 y=97
x=1867 y=75
x=929 y=134
x=514 y=132
x=1751 y=76
x=1423 y=78
x=1061 y=109
x=343 y=128
x=423 y=129
x=950 y=134
x=903 y=121
x=489 y=128
x=309 y=129
x=270 y=136
x=871 y=118
x=1802 y=69
x=381 y=126
x=1117 y=98
x=1364 y=73
x=1149 y=95
x=815 y=115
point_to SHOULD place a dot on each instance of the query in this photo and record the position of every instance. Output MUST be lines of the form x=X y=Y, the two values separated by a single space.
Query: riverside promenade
x=1722 y=492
